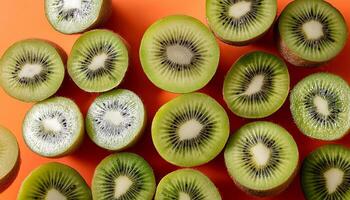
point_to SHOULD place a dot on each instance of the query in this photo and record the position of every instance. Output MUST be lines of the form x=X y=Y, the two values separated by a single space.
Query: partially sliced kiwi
x=124 y=176
x=311 y=32
x=116 y=119
x=320 y=106
x=257 y=85
x=190 y=130
x=31 y=70
x=75 y=16
x=54 y=181
x=240 y=22
x=179 y=54
x=262 y=158
x=186 y=184
x=54 y=127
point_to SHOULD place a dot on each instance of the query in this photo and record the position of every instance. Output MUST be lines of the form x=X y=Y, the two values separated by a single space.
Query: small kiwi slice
x=190 y=130
x=98 y=61
x=320 y=106
x=31 y=70
x=240 y=22
x=262 y=158
x=257 y=85
x=54 y=127
x=75 y=16
x=54 y=181
x=123 y=176
x=186 y=184
x=179 y=54
x=311 y=32
x=116 y=119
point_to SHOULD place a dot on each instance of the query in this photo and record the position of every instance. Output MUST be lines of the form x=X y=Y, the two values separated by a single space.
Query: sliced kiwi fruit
x=31 y=70
x=75 y=16
x=320 y=106
x=179 y=54
x=54 y=127
x=240 y=22
x=311 y=32
x=190 y=130
x=123 y=176
x=116 y=119
x=262 y=158
x=98 y=61
x=186 y=184
x=54 y=181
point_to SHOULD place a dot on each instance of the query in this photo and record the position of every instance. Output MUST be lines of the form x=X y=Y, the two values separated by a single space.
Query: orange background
x=21 y=19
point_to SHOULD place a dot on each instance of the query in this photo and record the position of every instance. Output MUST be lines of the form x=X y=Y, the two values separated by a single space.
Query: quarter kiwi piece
x=311 y=32
x=262 y=158
x=54 y=127
x=240 y=22
x=179 y=54
x=54 y=181
x=31 y=70
x=123 y=176
x=257 y=85
x=186 y=184
x=98 y=61
x=320 y=106
x=116 y=119
x=190 y=130
x=75 y=16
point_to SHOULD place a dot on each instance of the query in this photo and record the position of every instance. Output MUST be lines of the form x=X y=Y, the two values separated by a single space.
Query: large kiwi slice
x=179 y=54
x=123 y=176
x=75 y=16
x=257 y=85
x=240 y=22
x=54 y=127
x=262 y=158
x=116 y=119
x=190 y=130
x=320 y=106
x=186 y=184
x=311 y=32
x=31 y=70
x=54 y=181
x=98 y=61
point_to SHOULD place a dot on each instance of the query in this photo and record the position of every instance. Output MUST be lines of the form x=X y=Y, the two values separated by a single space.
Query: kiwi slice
x=123 y=176
x=116 y=119
x=257 y=85
x=320 y=106
x=190 y=130
x=240 y=22
x=75 y=16
x=186 y=184
x=31 y=70
x=311 y=32
x=179 y=54
x=54 y=127
x=54 y=181
x=262 y=158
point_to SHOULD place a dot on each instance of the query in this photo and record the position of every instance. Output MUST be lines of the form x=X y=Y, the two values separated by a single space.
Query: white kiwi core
x=54 y=194
x=321 y=105
x=98 y=62
x=113 y=117
x=71 y=4
x=240 y=9
x=179 y=54
x=255 y=85
x=313 y=30
x=51 y=125
x=122 y=185
x=334 y=178
x=30 y=70
x=190 y=129
x=184 y=196
x=261 y=154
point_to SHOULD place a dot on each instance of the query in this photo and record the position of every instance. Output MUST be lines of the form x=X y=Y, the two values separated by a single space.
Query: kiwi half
x=257 y=85
x=240 y=22
x=262 y=158
x=320 y=106
x=31 y=70
x=186 y=184
x=190 y=130
x=179 y=54
x=98 y=61
x=123 y=176
x=54 y=127
x=311 y=32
